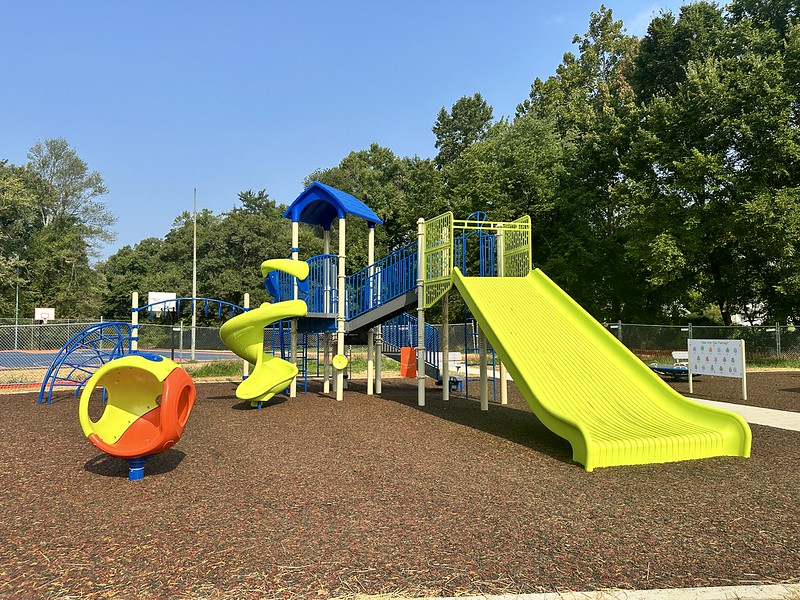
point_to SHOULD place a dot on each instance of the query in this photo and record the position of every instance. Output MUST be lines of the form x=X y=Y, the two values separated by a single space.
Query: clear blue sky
x=164 y=97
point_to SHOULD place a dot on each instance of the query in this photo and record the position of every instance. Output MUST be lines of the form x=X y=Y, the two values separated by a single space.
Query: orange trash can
x=408 y=362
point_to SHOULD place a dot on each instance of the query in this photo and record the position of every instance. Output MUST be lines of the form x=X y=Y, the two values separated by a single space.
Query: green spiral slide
x=587 y=387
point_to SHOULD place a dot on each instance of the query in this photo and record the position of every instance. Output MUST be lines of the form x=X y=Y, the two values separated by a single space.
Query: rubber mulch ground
x=310 y=498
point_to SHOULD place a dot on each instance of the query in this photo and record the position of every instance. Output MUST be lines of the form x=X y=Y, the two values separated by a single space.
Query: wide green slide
x=586 y=386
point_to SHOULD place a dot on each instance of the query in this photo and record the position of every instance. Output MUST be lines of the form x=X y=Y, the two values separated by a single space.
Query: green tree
x=714 y=176
x=65 y=218
x=70 y=193
x=669 y=46
x=17 y=223
x=377 y=177
x=230 y=249
x=595 y=112
x=467 y=122
x=58 y=273
x=250 y=234
x=128 y=270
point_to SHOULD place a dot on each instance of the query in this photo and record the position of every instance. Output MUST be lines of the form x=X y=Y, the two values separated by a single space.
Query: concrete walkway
x=781 y=419
x=747 y=592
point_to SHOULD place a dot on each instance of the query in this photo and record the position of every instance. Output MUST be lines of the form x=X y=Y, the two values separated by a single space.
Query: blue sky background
x=164 y=97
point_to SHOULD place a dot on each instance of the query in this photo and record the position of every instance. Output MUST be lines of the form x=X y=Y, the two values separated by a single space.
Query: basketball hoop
x=44 y=314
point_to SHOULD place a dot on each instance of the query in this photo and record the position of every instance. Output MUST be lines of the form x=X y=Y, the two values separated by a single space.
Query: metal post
x=293 y=322
x=744 y=372
x=484 y=370
x=501 y=271
x=371 y=332
x=134 y=322
x=16 y=315
x=446 y=347
x=421 y=312
x=689 y=363
x=194 y=274
x=778 y=339
x=379 y=354
x=246 y=364
x=326 y=301
x=340 y=316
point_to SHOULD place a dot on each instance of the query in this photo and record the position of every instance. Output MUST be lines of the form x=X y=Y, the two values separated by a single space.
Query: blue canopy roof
x=320 y=204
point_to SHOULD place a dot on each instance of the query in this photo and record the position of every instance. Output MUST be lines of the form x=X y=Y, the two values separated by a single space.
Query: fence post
x=619 y=330
x=778 y=339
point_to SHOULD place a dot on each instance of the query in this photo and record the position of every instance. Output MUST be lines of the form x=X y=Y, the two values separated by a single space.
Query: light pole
x=16 y=314
x=194 y=273
x=15 y=258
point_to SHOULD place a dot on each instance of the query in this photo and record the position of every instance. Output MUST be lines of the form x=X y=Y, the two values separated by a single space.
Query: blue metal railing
x=385 y=280
x=401 y=332
x=319 y=290
x=369 y=288
x=174 y=305
x=322 y=289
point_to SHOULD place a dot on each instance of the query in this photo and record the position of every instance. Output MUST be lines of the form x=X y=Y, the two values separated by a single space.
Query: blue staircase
x=373 y=294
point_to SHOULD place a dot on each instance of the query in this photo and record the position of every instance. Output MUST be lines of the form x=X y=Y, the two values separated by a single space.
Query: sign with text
x=718 y=358
x=722 y=358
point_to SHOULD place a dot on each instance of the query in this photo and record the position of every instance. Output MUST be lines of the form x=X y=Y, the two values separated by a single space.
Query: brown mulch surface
x=779 y=390
x=313 y=498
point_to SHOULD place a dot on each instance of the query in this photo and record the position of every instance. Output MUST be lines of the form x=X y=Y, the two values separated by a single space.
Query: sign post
x=718 y=358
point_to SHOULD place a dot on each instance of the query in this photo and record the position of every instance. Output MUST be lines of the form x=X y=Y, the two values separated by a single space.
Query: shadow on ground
x=112 y=466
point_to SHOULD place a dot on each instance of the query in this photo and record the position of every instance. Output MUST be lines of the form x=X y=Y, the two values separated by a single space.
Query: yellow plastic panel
x=244 y=335
x=134 y=383
x=586 y=386
x=295 y=268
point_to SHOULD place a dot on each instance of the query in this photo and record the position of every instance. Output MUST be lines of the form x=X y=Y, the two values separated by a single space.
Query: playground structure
x=578 y=379
x=147 y=401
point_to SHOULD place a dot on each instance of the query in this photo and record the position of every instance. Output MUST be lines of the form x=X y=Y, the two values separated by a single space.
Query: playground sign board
x=718 y=358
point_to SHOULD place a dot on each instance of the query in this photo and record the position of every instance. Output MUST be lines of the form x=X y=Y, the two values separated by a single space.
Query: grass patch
x=358 y=364
x=775 y=363
x=217 y=368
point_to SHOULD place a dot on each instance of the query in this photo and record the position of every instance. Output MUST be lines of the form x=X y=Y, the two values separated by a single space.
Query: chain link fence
x=654 y=342
x=28 y=348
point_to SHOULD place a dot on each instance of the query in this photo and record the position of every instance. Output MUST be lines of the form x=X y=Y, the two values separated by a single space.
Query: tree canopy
x=661 y=173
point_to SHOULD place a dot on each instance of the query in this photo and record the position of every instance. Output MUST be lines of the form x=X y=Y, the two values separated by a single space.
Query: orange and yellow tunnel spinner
x=148 y=401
